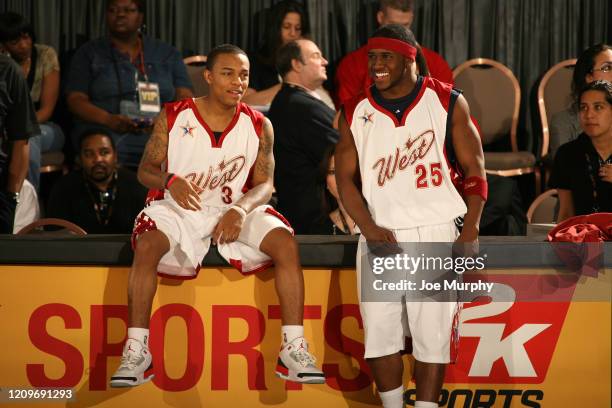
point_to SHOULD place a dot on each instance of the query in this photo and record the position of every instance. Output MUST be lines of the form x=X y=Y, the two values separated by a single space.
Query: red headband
x=394 y=45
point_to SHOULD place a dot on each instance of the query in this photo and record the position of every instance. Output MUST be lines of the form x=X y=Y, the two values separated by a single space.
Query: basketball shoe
x=295 y=363
x=136 y=366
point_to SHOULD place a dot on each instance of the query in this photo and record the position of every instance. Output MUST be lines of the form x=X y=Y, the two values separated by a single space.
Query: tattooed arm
x=263 y=174
x=150 y=173
x=230 y=225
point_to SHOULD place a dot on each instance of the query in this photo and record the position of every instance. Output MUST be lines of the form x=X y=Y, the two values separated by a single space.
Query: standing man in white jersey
x=395 y=142
x=210 y=167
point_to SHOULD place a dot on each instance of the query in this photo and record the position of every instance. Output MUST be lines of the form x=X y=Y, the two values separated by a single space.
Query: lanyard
x=592 y=172
x=140 y=68
x=103 y=210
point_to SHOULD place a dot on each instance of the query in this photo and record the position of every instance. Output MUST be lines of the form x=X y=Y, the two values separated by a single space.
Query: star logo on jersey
x=187 y=129
x=367 y=117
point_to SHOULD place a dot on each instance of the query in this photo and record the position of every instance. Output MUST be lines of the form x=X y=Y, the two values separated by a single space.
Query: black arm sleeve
x=21 y=117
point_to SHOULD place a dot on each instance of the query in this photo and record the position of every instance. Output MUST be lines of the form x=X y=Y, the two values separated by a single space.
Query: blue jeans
x=51 y=139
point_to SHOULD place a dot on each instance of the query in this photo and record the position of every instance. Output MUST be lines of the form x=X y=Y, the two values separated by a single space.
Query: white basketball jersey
x=221 y=170
x=406 y=178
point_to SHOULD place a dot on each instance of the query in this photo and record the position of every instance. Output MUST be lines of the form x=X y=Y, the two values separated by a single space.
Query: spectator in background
x=100 y=198
x=303 y=131
x=41 y=69
x=287 y=21
x=594 y=63
x=352 y=75
x=17 y=125
x=339 y=221
x=582 y=172
x=105 y=74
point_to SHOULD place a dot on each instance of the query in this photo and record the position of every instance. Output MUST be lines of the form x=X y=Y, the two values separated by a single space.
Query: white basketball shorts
x=189 y=233
x=430 y=324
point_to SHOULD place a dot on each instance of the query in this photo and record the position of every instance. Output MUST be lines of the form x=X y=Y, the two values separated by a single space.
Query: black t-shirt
x=397 y=106
x=576 y=168
x=17 y=115
x=261 y=75
x=71 y=200
x=303 y=132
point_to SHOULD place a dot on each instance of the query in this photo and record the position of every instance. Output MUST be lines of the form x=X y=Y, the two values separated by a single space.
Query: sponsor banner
x=215 y=342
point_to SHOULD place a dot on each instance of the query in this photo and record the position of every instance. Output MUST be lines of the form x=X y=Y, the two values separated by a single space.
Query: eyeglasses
x=605 y=68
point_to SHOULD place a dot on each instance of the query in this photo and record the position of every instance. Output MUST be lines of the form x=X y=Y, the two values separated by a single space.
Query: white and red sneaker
x=136 y=366
x=295 y=363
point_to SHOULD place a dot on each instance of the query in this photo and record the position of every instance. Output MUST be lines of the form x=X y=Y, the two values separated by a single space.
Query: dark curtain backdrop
x=528 y=36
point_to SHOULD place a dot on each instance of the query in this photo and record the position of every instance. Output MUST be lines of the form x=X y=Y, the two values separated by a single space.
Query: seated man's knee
x=151 y=245
x=282 y=246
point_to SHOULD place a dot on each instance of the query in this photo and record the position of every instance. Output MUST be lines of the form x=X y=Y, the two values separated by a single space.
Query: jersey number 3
x=226 y=195
x=435 y=175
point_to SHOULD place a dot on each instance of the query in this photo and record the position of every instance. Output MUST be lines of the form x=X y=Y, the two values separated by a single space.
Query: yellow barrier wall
x=219 y=338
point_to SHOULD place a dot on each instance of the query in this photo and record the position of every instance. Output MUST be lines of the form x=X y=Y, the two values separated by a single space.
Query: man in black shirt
x=101 y=199
x=303 y=131
x=17 y=125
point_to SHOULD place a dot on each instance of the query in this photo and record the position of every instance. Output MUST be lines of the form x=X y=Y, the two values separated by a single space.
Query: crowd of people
x=110 y=79
x=212 y=164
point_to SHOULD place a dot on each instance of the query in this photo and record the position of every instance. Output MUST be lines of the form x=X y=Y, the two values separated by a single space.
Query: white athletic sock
x=425 y=404
x=140 y=334
x=289 y=333
x=393 y=398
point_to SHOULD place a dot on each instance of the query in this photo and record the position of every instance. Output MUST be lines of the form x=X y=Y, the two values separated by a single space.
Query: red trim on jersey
x=280 y=216
x=248 y=184
x=237 y=263
x=380 y=108
x=442 y=89
x=154 y=195
x=173 y=109
x=391 y=115
x=350 y=105
x=179 y=277
x=142 y=224
x=257 y=118
x=424 y=85
x=230 y=126
x=455 y=175
x=454 y=335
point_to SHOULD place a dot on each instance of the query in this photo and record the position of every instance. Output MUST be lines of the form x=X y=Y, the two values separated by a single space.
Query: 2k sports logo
x=506 y=342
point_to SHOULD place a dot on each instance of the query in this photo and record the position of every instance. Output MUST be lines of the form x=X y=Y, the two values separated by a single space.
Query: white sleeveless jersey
x=222 y=170
x=406 y=178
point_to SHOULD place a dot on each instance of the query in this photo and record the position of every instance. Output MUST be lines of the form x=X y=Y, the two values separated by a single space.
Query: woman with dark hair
x=582 y=172
x=41 y=69
x=594 y=63
x=287 y=21
x=109 y=76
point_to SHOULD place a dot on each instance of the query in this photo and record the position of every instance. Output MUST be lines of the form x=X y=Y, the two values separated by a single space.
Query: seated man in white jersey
x=210 y=167
x=394 y=142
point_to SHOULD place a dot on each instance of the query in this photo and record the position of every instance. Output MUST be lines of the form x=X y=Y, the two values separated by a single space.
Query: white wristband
x=239 y=210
